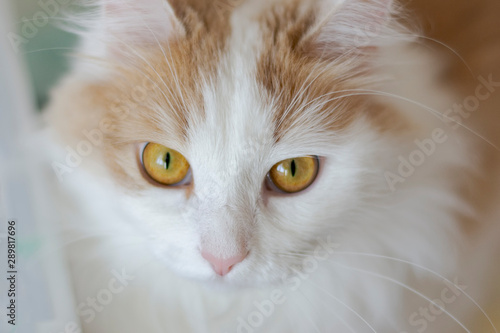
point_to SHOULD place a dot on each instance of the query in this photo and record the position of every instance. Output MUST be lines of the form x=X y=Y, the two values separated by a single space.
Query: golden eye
x=295 y=174
x=164 y=165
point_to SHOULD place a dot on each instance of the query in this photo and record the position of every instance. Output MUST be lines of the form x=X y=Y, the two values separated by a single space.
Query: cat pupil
x=293 y=167
x=167 y=161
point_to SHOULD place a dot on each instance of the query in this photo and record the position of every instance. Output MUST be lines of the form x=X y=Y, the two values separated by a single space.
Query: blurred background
x=44 y=46
x=32 y=59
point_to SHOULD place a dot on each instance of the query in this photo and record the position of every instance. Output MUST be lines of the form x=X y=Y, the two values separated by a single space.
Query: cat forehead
x=239 y=67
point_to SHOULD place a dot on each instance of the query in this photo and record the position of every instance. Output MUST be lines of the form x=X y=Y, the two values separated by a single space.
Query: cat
x=262 y=166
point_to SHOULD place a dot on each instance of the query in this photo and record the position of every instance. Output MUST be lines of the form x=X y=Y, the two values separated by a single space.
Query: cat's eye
x=295 y=174
x=164 y=165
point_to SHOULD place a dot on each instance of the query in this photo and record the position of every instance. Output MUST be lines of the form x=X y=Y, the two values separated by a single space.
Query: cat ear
x=348 y=27
x=134 y=22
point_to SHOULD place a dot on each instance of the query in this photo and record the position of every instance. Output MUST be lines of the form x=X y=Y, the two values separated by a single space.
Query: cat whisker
x=300 y=94
x=295 y=255
x=452 y=50
x=48 y=49
x=101 y=62
x=157 y=74
x=368 y=92
x=174 y=75
x=343 y=304
x=342 y=320
x=302 y=90
x=168 y=100
x=427 y=270
x=304 y=313
x=302 y=255
x=291 y=317
x=413 y=290
x=87 y=237
x=51 y=18
x=415 y=39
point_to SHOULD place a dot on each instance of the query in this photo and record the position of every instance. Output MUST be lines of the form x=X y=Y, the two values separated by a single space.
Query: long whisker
x=102 y=62
x=49 y=49
x=51 y=18
x=368 y=92
x=300 y=94
x=416 y=292
x=168 y=100
x=295 y=255
x=452 y=50
x=304 y=313
x=344 y=305
x=47 y=251
x=304 y=88
x=174 y=75
x=345 y=323
x=303 y=255
x=427 y=270
x=145 y=61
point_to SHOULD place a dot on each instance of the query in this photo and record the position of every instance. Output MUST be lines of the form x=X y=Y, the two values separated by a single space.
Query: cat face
x=231 y=93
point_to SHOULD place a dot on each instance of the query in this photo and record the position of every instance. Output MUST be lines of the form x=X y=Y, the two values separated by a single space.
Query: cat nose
x=223 y=266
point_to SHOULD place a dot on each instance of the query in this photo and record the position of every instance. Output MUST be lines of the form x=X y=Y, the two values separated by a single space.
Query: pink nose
x=222 y=266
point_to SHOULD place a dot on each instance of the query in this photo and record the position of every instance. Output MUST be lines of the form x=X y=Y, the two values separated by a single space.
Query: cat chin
x=221 y=283
x=229 y=283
